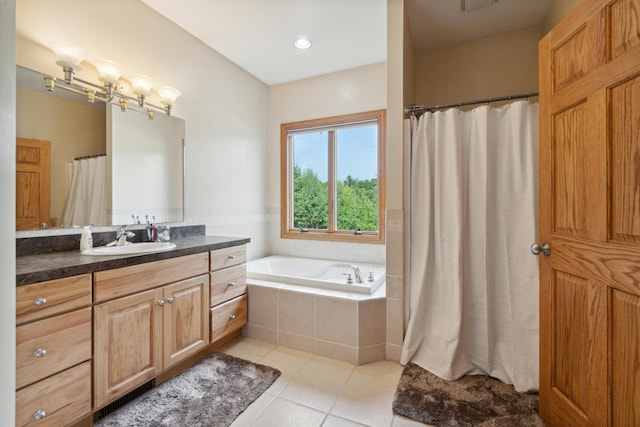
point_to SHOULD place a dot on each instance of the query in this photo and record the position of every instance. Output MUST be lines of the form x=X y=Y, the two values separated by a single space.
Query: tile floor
x=316 y=391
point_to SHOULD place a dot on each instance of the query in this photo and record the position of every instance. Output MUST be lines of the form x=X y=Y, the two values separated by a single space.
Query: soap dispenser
x=86 y=240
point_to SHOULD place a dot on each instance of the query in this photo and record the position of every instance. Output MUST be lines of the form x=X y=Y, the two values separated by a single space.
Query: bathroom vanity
x=91 y=330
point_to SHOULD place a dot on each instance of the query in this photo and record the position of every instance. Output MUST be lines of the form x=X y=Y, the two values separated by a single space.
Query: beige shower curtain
x=473 y=283
x=87 y=199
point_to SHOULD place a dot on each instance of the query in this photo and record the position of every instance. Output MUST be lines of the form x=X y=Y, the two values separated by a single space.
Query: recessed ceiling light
x=302 y=43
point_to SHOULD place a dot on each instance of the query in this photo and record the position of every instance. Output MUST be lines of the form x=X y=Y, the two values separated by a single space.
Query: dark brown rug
x=474 y=400
x=212 y=393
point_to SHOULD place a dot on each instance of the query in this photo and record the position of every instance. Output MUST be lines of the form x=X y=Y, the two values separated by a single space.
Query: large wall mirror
x=143 y=159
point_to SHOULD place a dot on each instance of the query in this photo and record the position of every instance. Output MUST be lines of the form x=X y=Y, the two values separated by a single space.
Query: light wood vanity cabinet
x=228 y=291
x=53 y=351
x=133 y=323
x=159 y=324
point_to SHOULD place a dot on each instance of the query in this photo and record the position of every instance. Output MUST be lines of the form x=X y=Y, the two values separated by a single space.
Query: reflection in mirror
x=73 y=128
x=144 y=162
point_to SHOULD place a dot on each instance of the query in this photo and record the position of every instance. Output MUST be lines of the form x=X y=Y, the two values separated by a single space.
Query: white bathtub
x=323 y=274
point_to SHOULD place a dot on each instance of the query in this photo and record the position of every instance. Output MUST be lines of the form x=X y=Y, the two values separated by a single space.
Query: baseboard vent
x=117 y=404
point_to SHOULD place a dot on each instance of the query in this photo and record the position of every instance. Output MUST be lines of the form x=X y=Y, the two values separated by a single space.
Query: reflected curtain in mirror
x=87 y=199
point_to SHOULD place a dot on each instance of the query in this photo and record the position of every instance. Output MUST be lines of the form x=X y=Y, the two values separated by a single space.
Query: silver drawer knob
x=231 y=284
x=160 y=302
x=233 y=316
x=41 y=352
x=169 y=300
x=39 y=301
x=39 y=414
x=232 y=257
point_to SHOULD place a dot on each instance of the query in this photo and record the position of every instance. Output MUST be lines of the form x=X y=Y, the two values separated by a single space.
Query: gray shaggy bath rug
x=212 y=393
x=474 y=400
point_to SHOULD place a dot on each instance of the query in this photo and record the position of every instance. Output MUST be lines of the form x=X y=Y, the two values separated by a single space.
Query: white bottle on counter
x=86 y=240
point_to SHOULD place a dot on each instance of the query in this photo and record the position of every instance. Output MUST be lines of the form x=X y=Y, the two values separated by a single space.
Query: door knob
x=536 y=249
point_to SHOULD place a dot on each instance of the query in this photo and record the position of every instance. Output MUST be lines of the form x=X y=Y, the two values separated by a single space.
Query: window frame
x=286 y=177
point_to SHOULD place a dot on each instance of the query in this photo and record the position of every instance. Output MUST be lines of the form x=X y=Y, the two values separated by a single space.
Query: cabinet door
x=185 y=318
x=127 y=344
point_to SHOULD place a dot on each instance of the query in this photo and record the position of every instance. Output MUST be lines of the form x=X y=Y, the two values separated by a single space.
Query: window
x=333 y=178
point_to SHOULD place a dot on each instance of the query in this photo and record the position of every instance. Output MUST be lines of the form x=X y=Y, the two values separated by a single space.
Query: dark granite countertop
x=38 y=268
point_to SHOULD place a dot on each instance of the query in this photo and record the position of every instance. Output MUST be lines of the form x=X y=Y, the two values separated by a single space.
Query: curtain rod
x=419 y=109
x=88 y=157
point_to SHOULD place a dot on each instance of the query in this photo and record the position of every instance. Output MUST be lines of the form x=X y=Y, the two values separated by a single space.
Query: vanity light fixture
x=302 y=43
x=114 y=84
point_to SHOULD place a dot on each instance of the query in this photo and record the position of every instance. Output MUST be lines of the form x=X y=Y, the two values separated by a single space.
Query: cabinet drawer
x=52 y=297
x=52 y=345
x=110 y=284
x=228 y=257
x=62 y=399
x=228 y=283
x=228 y=317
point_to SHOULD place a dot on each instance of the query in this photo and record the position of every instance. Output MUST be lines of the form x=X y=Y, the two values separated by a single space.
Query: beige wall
x=74 y=129
x=501 y=65
x=559 y=9
x=409 y=64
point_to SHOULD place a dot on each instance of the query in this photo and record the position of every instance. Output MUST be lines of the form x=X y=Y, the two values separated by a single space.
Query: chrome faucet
x=357 y=273
x=121 y=236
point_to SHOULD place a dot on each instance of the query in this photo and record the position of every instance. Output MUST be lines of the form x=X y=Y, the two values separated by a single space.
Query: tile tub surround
x=339 y=325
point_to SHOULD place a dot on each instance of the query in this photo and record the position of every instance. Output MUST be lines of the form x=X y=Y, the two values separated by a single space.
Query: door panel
x=569 y=171
x=625 y=353
x=33 y=183
x=571 y=344
x=625 y=26
x=590 y=217
x=625 y=167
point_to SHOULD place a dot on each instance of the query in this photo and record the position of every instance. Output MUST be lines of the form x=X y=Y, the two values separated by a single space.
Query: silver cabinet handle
x=39 y=301
x=537 y=249
x=232 y=257
x=39 y=414
x=231 y=284
x=233 y=316
x=160 y=302
x=169 y=300
x=41 y=352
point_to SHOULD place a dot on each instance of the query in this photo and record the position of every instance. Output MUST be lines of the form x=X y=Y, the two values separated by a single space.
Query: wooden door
x=590 y=217
x=33 y=183
x=127 y=344
x=185 y=318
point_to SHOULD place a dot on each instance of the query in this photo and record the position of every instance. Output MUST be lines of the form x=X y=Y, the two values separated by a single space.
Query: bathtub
x=322 y=274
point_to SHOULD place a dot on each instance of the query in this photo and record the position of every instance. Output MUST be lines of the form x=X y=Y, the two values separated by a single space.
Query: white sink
x=130 y=249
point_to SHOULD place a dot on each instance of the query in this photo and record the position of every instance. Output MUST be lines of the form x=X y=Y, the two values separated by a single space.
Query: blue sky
x=357 y=152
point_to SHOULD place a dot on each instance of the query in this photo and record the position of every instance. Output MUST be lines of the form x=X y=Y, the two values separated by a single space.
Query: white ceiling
x=258 y=35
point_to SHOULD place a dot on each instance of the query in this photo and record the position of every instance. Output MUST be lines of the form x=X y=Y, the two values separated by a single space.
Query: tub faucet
x=357 y=273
